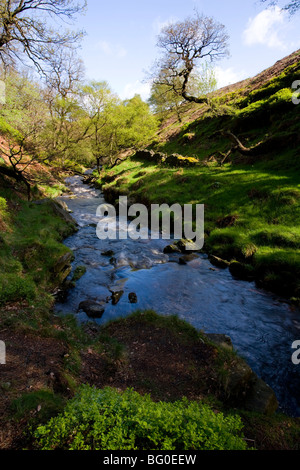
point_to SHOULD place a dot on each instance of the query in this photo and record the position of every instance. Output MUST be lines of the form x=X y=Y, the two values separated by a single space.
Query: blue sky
x=120 y=45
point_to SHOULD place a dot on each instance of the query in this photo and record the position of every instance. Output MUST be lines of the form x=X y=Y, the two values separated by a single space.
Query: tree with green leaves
x=165 y=99
x=100 y=104
x=135 y=124
x=24 y=116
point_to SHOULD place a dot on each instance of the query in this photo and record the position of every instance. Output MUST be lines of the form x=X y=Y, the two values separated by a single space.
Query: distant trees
x=136 y=124
x=115 y=124
x=65 y=123
x=26 y=35
x=185 y=45
x=24 y=117
x=61 y=119
x=100 y=105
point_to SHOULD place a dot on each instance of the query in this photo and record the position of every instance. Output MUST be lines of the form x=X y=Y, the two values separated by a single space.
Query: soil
x=32 y=363
x=154 y=361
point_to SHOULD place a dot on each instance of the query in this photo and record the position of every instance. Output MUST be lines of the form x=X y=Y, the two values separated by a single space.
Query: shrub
x=13 y=288
x=110 y=420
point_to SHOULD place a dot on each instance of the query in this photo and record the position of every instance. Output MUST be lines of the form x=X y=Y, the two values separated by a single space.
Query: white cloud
x=266 y=28
x=136 y=88
x=111 y=49
x=228 y=76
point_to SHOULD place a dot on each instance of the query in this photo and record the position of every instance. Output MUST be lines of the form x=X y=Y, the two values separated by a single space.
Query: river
x=261 y=325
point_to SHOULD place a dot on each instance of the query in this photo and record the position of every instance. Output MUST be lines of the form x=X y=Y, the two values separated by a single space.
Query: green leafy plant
x=110 y=420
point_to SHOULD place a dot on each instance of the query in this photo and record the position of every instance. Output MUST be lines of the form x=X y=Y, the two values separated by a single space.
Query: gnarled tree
x=186 y=45
x=26 y=34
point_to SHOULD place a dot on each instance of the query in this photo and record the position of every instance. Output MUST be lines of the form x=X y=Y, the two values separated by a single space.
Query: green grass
x=30 y=245
x=40 y=406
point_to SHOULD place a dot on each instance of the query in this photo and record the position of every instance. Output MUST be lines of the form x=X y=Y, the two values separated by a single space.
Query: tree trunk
x=18 y=176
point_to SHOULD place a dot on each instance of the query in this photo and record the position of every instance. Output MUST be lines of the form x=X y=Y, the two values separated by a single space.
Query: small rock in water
x=171 y=249
x=116 y=296
x=92 y=309
x=186 y=246
x=218 y=262
x=187 y=258
x=78 y=273
x=108 y=253
x=132 y=298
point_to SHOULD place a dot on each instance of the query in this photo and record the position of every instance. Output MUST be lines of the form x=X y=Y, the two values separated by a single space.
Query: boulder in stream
x=219 y=262
x=132 y=298
x=116 y=296
x=171 y=249
x=62 y=267
x=92 y=309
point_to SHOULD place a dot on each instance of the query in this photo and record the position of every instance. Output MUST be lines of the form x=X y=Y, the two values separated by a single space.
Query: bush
x=14 y=288
x=110 y=420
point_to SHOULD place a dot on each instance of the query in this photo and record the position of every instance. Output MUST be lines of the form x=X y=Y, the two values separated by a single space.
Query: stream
x=262 y=326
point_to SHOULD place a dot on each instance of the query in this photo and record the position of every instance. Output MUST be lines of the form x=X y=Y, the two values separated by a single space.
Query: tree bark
x=18 y=176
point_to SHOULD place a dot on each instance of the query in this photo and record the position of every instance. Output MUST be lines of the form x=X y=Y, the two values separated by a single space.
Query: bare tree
x=292 y=7
x=25 y=34
x=64 y=72
x=185 y=45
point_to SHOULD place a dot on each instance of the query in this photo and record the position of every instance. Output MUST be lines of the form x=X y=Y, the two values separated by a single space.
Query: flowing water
x=262 y=326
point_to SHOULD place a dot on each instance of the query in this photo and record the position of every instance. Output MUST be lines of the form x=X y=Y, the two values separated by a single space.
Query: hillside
x=241 y=161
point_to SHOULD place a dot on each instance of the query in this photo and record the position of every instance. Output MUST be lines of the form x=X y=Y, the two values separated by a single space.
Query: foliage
x=15 y=288
x=110 y=420
x=165 y=98
x=68 y=122
x=29 y=249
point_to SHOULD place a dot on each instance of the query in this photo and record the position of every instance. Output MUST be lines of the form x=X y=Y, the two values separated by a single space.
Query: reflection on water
x=262 y=326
